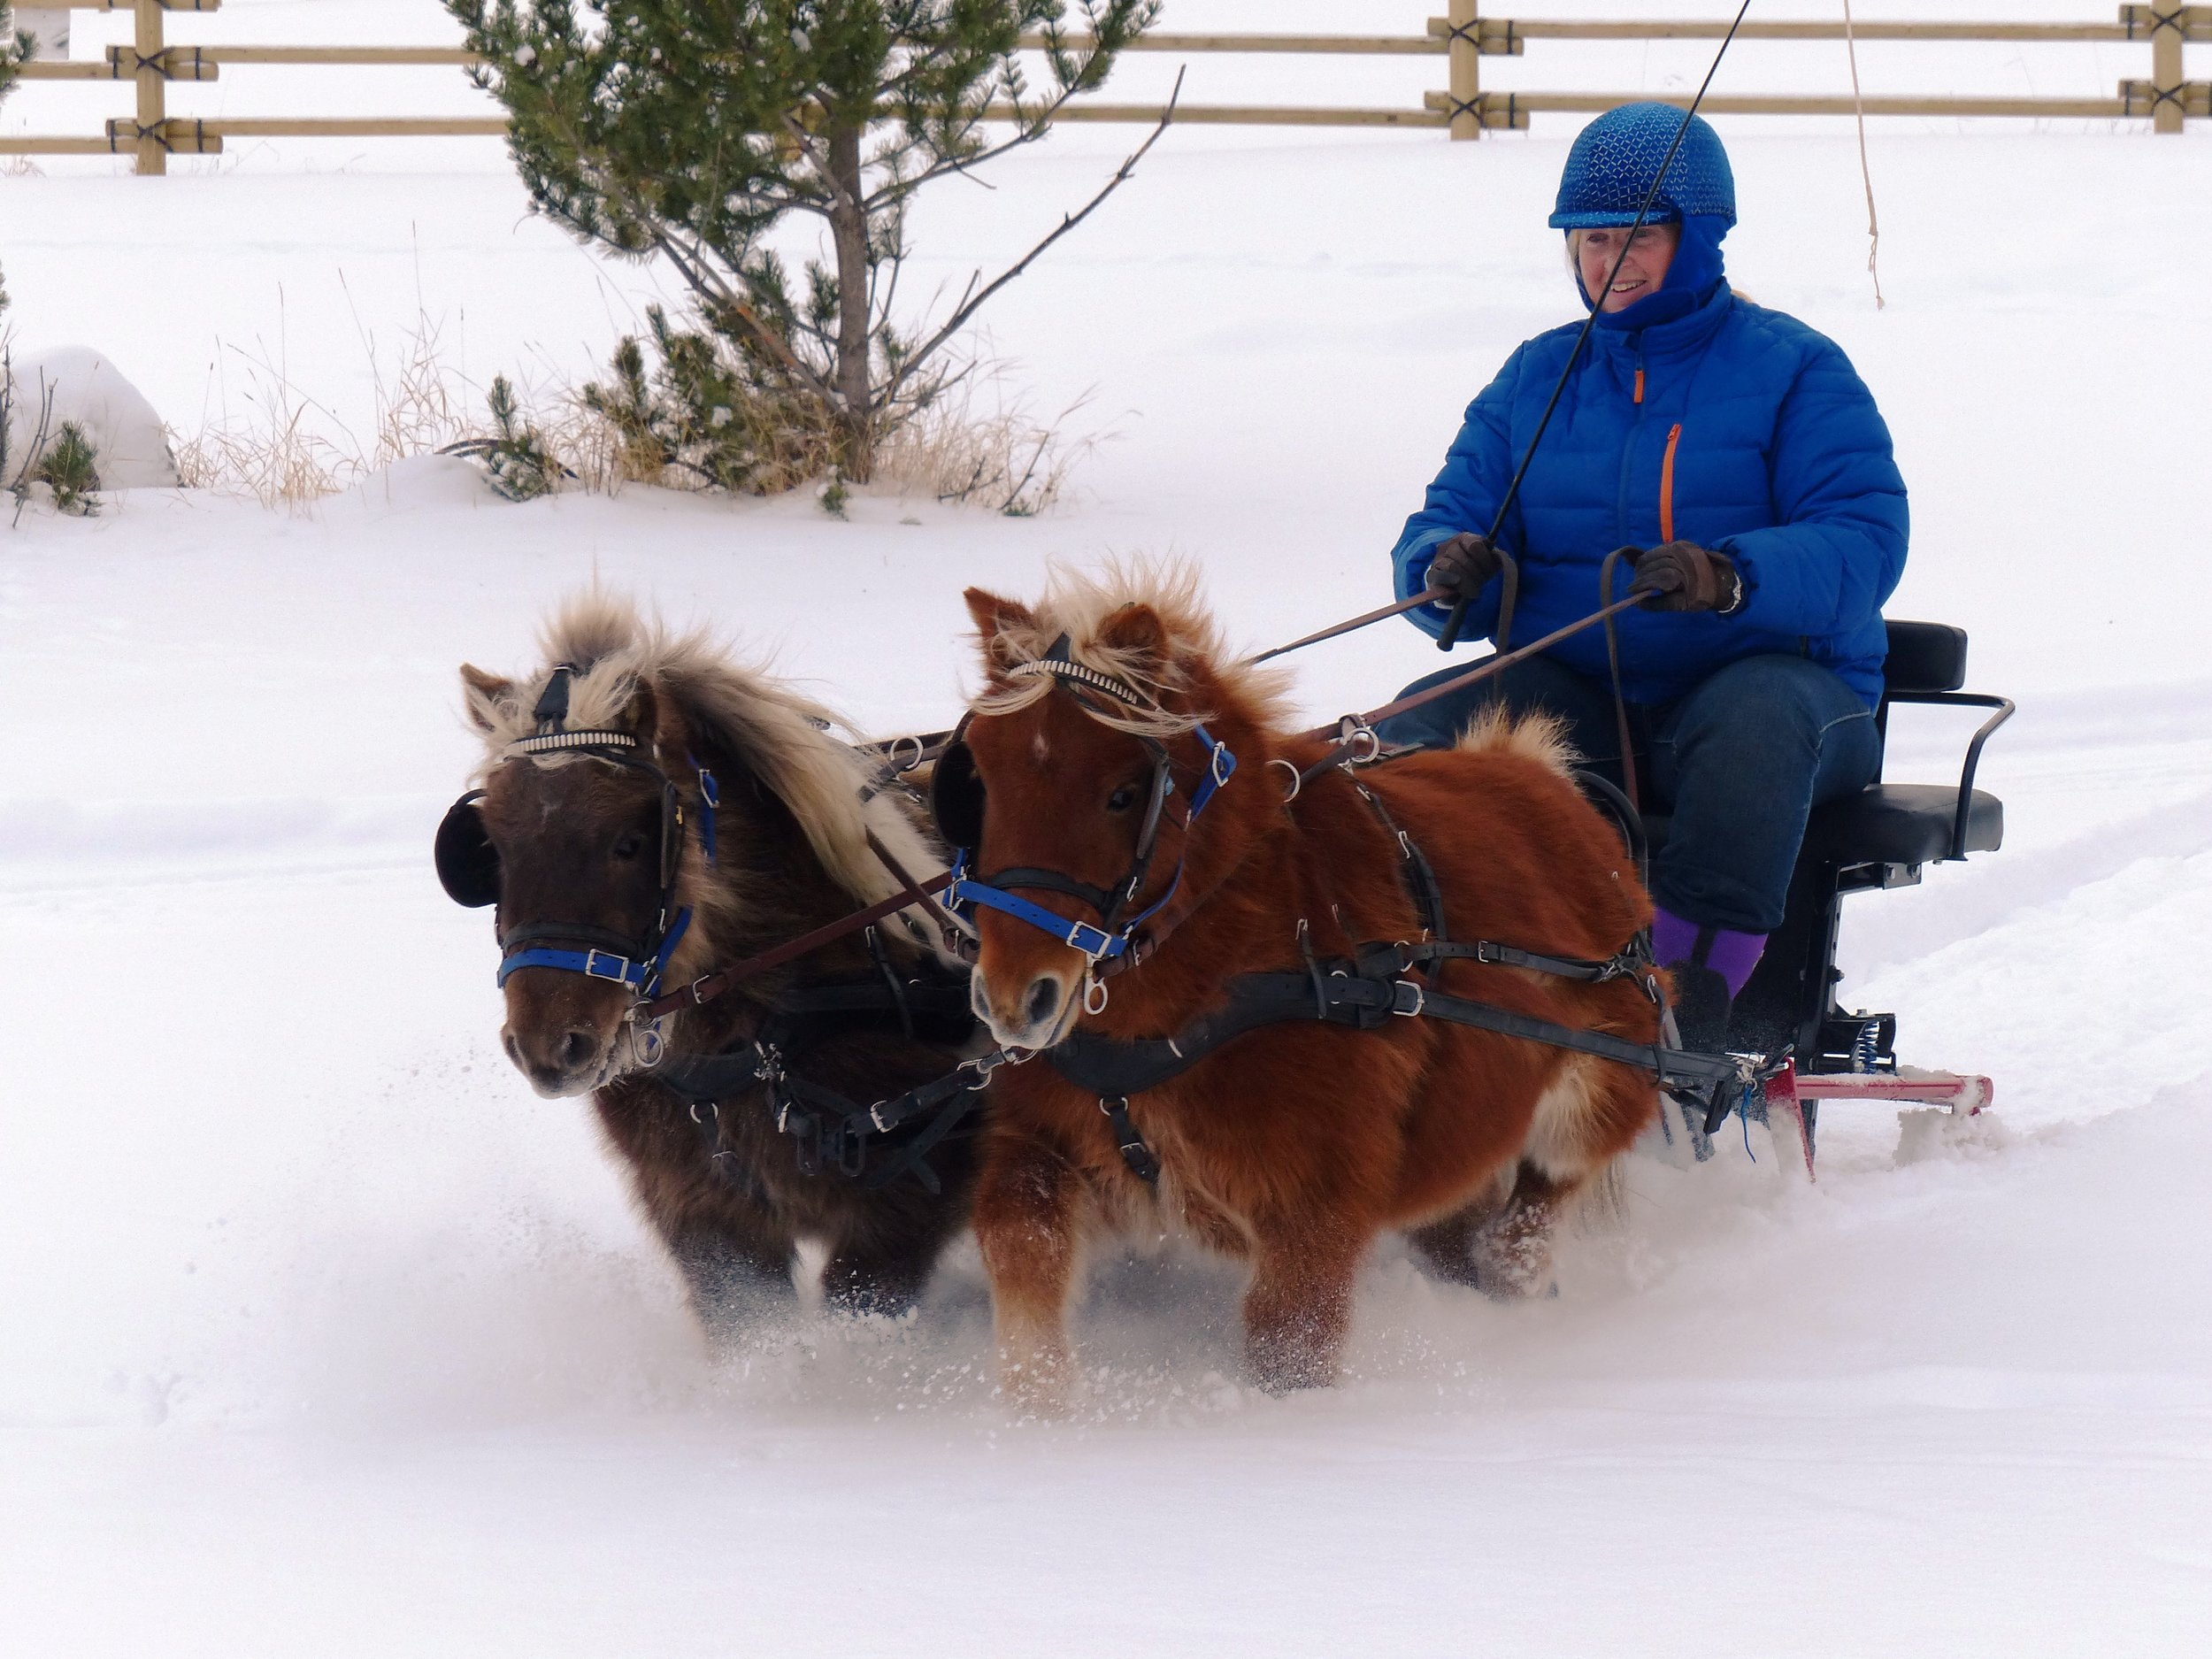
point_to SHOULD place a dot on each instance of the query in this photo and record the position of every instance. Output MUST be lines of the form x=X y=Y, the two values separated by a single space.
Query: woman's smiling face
x=1642 y=268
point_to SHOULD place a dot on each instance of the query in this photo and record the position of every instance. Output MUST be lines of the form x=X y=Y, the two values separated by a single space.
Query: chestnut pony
x=682 y=784
x=1294 y=1146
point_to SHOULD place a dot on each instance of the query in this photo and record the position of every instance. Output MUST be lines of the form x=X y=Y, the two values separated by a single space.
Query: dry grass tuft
x=267 y=439
x=264 y=438
x=999 y=456
x=270 y=451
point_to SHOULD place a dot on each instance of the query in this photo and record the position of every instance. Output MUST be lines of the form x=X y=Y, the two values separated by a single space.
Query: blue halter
x=1105 y=943
x=608 y=955
x=643 y=977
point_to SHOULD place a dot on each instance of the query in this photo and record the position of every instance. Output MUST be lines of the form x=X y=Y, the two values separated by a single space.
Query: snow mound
x=89 y=392
x=423 y=480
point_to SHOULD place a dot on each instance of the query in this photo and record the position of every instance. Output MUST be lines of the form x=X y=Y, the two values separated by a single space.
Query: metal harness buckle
x=1399 y=991
x=1080 y=937
x=620 y=975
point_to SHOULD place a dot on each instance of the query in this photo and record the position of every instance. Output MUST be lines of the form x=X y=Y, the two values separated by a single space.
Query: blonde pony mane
x=1540 y=736
x=785 y=739
x=1175 y=686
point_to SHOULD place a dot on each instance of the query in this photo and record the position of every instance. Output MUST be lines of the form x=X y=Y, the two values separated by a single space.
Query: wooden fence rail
x=1464 y=37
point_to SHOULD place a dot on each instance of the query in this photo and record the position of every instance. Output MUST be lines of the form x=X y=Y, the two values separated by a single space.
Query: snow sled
x=1883 y=837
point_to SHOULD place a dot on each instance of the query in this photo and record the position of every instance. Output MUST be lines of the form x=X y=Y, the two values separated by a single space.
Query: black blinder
x=468 y=864
x=672 y=835
x=956 y=798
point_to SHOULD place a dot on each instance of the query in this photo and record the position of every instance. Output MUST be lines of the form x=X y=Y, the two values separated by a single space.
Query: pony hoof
x=1037 y=1390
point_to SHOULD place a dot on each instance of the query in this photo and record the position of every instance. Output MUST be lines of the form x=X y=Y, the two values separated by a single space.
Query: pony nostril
x=578 y=1050
x=1044 y=1001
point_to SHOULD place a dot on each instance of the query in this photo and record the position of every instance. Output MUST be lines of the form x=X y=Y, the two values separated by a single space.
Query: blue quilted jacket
x=1730 y=426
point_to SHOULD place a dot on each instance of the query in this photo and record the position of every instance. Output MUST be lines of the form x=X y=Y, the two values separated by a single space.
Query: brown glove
x=1463 y=566
x=1682 y=576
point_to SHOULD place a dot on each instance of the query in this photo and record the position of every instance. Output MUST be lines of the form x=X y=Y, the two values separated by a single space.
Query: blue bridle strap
x=710 y=796
x=965 y=893
x=643 y=977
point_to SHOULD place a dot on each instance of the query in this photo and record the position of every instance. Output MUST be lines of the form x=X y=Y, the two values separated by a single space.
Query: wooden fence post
x=1464 y=60
x=2166 y=38
x=152 y=92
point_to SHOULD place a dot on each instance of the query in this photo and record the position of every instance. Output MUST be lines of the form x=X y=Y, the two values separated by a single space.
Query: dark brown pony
x=1294 y=1146
x=575 y=844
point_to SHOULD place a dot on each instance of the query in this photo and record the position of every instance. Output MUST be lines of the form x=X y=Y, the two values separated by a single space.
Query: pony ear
x=642 y=713
x=994 y=617
x=482 y=693
x=657 y=718
x=1137 y=636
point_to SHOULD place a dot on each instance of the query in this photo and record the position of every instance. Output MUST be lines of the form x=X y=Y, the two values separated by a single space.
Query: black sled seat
x=1910 y=824
x=1883 y=837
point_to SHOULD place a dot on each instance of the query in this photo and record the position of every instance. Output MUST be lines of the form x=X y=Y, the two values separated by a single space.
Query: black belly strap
x=876 y=1145
x=1356 y=995
x=1113 y=1068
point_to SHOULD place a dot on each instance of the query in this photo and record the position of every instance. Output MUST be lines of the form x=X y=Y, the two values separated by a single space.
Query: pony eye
x=1122 y=799
x=630 y=845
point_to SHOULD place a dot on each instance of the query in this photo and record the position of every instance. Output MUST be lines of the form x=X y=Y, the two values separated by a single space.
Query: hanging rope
x=1858 y=109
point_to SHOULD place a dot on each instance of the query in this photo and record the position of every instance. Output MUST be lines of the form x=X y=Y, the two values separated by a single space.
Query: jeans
x=1740 y=762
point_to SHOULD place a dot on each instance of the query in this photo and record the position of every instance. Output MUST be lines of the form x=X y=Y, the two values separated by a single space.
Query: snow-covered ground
x=322 y=1335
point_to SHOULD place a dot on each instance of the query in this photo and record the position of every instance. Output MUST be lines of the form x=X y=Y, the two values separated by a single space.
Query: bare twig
x=975 y=300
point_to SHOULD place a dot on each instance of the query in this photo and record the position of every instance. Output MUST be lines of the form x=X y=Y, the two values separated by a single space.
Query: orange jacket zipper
x=1666 y=484
x=1640 y=384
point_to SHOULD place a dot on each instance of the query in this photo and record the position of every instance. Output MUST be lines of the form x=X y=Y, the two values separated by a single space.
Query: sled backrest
x=1924 y=656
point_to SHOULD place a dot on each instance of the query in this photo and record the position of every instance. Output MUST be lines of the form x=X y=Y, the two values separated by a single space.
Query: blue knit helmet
x=1616 y=157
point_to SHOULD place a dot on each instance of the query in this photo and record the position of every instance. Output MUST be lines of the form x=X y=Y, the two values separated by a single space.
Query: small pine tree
x=688 y=129
x=16 y=47
x=15 y=51
x=514 y=456
x=629 y=406
x=698 y=419
x=70 y=467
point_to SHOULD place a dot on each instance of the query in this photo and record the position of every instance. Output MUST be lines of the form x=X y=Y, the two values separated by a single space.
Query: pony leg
x=1589 y=1116
x=1299 y=1305
x=1511 y=1252
x=1026 y=1220
x=885 y=1270
x=1446 y=1246
x=735 y=1281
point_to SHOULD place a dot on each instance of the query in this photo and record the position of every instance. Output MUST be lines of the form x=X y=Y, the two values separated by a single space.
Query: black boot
x=1701 y=1009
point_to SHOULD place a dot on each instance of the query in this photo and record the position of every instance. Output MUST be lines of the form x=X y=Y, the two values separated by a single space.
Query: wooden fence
x=1463 y=38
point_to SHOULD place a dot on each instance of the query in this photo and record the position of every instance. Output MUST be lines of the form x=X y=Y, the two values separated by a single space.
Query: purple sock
x=1730 y=954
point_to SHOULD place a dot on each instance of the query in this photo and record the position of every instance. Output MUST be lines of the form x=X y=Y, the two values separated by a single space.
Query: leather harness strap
x=1352 y=992
x=829 y=1127
x=713 y=985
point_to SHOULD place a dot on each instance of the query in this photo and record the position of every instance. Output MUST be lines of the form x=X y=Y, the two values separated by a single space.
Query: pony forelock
x=1177 y=685
x=786 y=739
